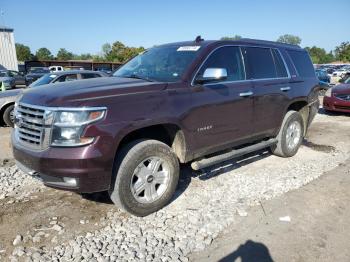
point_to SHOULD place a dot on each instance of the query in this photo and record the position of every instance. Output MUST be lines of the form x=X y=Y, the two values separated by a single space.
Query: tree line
x=118 y=52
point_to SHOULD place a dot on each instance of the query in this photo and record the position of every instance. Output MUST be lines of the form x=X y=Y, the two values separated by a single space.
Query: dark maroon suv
x=202 y=102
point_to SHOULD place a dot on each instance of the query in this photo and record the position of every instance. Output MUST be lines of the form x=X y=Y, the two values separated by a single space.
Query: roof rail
x=249 y=40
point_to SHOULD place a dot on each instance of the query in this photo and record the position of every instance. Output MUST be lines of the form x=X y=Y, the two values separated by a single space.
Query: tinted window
x=228 y=58
x=13 y=73
x=302 y=63
x=67 y=78
x=259 y=63
x=87 y=76
x=279 y=65
x=45 y=79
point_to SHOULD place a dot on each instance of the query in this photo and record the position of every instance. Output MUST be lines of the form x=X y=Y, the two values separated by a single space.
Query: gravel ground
x=205 y=204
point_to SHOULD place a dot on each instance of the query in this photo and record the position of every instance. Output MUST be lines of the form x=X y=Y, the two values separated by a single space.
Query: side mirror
x=212 y=74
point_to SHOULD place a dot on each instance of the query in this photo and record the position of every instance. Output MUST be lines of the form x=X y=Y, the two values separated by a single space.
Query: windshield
x=3 y=74
x=39 y=70
x=164 y=64
x=45 y=79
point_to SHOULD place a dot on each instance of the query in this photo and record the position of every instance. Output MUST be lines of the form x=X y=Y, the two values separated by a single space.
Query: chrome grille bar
x=30 y=126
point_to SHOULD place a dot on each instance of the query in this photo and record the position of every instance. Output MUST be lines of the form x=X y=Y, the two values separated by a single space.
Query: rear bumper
x=88 y=166
x=336 y=104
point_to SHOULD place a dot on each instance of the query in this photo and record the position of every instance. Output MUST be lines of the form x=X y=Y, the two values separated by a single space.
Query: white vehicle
x=56 y=68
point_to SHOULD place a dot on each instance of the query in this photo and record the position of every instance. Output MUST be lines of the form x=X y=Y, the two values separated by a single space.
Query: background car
x=338 y=98
x=8 y=98
x=56 y=68
x=11 y=78
x=65 y=76
x=35 y=73
x=322 y=75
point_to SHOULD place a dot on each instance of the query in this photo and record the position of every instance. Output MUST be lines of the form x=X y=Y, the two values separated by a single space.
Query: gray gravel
x=16 y=185
x=190 y=223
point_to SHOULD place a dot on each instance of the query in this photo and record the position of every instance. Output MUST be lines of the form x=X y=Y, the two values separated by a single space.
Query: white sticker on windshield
x=189 y=48
x=52 y=76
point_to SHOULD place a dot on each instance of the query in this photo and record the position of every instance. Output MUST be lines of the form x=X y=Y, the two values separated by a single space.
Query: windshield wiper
x=138 y=77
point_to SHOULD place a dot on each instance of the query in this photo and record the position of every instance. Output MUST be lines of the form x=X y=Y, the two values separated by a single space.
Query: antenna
x=199 y=39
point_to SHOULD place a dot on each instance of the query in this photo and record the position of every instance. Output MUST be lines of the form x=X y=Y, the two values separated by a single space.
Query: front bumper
x=88 y=166
x=335 y=104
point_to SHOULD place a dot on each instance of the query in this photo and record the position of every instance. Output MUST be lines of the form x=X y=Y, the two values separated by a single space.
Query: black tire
x=281 y=148
x=128 y=159
x=7 y=116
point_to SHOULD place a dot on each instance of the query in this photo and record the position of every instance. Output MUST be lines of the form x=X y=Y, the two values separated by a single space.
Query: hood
x=9 y=93
x=90 y=92
x=341 y=89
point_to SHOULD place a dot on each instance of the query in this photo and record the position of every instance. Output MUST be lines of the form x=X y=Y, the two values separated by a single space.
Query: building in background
x=8 y=57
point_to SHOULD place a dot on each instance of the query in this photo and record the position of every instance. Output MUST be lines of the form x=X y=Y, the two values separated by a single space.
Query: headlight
x=328 y=92
x=68 y=126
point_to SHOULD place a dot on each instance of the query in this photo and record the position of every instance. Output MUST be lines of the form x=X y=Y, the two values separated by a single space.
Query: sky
x=83 y=26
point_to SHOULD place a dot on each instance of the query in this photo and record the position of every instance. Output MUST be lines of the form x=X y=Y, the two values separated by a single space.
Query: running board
x=200 y=164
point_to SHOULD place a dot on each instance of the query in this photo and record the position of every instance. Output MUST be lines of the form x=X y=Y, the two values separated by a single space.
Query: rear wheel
x=9 y=116
x=290 y=135
x=146 y=176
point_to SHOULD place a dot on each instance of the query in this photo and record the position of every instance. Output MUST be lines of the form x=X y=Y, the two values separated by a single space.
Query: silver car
x=11 y=78
x=8 y=98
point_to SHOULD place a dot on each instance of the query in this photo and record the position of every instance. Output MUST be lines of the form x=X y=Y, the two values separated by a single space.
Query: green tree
x=235 y=37
x=63 y=54
x=319 y=55
x=106 y=49
x=86 y=56
x=342 y=52
x=289 y=39
x=43 y=54
x=23 y=52
x=121 y=53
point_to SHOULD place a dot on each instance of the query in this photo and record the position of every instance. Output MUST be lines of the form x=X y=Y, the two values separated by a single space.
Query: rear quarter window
x=302 y=63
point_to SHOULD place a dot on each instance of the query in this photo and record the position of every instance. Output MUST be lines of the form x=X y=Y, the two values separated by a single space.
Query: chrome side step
x=203 y=163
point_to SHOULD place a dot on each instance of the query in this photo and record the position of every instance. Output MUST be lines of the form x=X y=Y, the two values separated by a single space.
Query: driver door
x=222 y=110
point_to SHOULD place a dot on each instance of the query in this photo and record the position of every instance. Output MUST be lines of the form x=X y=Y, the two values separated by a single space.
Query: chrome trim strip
x=245 y=94
x=245 y=80
x=287 y=88
x=47 y=108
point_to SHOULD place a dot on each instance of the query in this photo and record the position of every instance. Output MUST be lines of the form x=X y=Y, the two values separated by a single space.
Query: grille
x=344 y=97
x=30 y=125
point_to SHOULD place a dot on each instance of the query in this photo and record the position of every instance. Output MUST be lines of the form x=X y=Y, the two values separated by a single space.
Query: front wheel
x=290 y=135
x=9 y=116
x=145 y=177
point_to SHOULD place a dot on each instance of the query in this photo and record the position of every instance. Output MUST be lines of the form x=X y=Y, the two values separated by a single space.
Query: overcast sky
x=83 y=26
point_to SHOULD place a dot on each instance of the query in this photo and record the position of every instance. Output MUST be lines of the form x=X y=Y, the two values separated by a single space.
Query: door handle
x=246 y=94
x=287 y=88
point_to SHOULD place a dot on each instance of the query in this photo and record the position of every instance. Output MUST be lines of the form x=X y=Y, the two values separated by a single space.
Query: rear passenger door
x=222 y=110
x=270 y=78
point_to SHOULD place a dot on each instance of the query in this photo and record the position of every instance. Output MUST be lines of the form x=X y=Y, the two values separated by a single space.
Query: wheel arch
x=301 y=106
x=169 y=133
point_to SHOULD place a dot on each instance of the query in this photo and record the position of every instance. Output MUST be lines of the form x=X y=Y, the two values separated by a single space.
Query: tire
x=7 y=116
x=133 y=167
x=289 y=141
